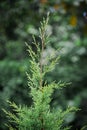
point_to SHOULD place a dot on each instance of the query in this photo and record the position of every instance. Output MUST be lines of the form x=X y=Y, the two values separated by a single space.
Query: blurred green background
x=19 y=20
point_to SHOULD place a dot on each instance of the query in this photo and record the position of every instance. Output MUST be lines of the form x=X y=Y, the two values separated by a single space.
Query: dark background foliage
x=19 y=20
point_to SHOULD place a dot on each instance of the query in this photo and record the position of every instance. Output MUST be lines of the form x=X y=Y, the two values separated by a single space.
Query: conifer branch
x=39 y=116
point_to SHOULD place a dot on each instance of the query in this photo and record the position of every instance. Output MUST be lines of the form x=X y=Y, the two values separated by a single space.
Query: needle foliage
x=40 y=116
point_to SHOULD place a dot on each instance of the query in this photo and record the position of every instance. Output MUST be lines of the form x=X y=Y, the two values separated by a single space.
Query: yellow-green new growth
x=39 y=116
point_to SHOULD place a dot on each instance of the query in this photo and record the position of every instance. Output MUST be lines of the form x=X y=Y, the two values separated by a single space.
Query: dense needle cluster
x=40 y=116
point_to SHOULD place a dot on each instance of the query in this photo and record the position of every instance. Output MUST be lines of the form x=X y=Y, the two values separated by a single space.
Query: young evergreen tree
x=40 y=116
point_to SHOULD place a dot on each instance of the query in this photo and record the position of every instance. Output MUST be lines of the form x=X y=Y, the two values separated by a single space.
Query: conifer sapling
x=40 y=116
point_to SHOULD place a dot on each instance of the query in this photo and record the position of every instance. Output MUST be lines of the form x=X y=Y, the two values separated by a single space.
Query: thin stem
x=42 y=36
x=41 y=67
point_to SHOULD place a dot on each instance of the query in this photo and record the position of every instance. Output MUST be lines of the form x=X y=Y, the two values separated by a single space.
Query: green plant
x=40 y=116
